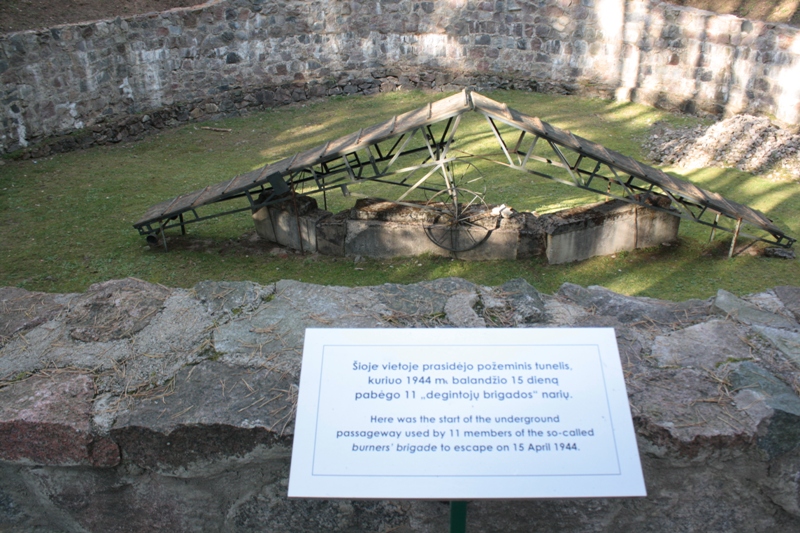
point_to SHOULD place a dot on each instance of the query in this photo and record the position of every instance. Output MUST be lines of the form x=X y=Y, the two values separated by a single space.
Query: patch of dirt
x=752 y=144
x=246 y=245
x=19 y=15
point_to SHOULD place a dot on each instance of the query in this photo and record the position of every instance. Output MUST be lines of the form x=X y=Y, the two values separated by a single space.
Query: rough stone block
x=460 y=311
x=790 y=296
x=10 y=512
x=673 y=410
x=727 y=304
x=23 y=310
x=46 y=420
x=271 y=335
x=115 y=309
x=718 y=438
x=232 y=297
x=213 y=411
x=787 y=342
x=703 y=346
x=783 y=432
x=632 y=309
x=420 y=299
x=525 y=301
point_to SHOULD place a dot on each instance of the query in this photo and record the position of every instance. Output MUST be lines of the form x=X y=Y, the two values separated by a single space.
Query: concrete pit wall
x=113 y=80
x=383 y=229
x=292 y=223
x=606 y=228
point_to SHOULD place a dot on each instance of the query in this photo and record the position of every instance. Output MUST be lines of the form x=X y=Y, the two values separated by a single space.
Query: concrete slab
x=375 y=238
x=383 y=229
x=331 y=234
x=605 y=228
x=292 y=223
x=532 y=237
x=385 y=211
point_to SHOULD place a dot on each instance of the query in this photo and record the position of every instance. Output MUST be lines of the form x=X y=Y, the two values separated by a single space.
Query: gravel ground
x=749 y=143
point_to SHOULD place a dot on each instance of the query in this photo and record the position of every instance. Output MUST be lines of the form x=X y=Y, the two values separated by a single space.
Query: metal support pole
x=735 y=236
x=458 y=517
x=163 y=237
x=297 y=219
x=714 y=228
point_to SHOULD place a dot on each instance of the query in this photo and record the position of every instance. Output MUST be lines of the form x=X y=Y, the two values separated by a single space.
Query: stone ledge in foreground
x=46 y=420
x=185 y=423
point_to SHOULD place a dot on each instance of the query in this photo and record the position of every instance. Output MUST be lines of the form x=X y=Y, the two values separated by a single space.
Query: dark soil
x=17 y=15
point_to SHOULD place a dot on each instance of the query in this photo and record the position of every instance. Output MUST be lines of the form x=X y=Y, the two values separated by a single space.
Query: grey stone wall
x=695 y=60
x=112 y=80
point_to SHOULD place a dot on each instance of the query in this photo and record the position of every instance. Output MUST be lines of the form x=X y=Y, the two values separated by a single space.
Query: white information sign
x=463 y=414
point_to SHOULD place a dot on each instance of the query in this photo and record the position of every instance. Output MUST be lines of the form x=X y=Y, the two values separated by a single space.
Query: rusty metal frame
x=380 y=154
x=632 y=189
x=346 y=170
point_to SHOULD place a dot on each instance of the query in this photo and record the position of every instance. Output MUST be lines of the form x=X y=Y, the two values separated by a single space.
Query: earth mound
x=20 y=15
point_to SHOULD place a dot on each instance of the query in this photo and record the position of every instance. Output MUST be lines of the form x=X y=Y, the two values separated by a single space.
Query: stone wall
x=113 y=80
x=135 y=407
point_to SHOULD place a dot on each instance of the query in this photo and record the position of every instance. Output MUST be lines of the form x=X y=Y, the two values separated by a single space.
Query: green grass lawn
x=66 y=221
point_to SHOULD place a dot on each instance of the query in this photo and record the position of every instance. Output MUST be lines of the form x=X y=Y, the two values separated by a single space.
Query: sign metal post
x=458 y=517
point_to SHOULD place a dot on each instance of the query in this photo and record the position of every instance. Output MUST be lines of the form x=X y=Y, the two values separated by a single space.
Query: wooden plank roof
x=435 y=112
